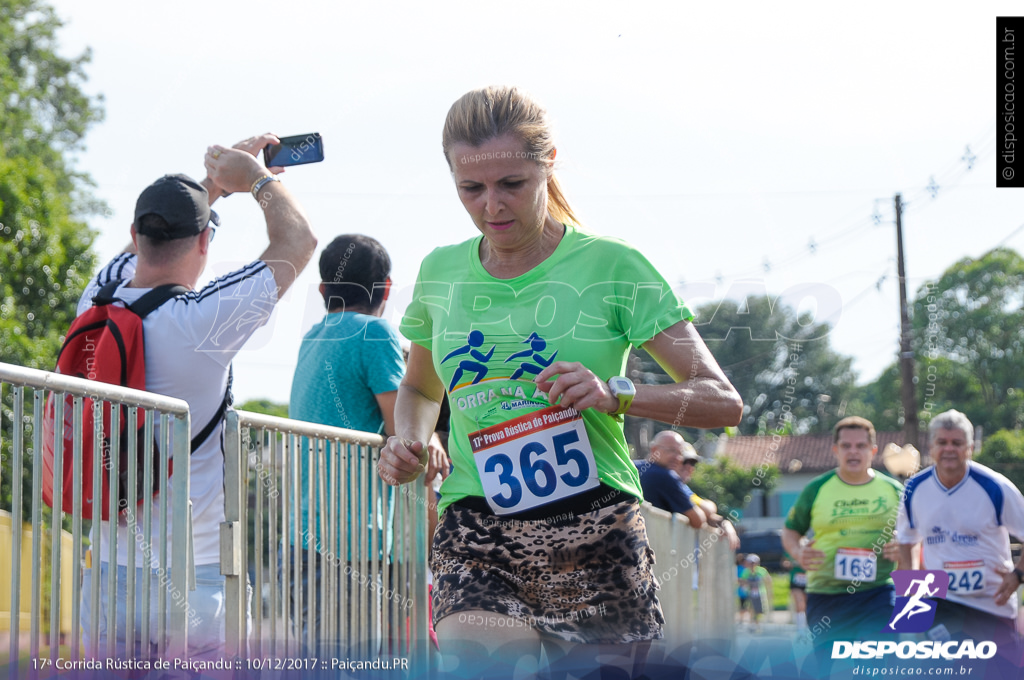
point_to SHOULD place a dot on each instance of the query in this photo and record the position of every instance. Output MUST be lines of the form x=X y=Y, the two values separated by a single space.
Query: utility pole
x=910 y=424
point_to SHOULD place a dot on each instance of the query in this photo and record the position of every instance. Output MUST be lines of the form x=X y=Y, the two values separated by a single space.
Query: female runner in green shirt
x=528 y=327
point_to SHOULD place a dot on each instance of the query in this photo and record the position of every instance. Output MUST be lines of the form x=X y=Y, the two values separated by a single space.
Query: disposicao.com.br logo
x=915 y=613
x=879 y=649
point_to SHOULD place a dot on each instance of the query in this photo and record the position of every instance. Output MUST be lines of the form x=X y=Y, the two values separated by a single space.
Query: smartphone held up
x=294 y=150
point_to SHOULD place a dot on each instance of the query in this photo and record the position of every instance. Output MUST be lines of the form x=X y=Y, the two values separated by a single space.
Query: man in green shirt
x=852 y=513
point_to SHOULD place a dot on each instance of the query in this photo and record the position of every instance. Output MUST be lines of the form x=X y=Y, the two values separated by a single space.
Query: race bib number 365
x=535 y=459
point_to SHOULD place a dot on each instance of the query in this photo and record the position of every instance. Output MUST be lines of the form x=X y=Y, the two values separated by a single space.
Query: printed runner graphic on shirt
x=474 y=341
x=914 y=611
x=480 y=378
x=537 y=345
x=527 y=452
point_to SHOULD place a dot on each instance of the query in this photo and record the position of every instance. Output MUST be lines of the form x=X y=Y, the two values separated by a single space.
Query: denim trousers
x=205 y=614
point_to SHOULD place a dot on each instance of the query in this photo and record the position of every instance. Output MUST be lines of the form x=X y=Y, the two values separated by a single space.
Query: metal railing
x=697 y=573
x=296 y=494
x=313 y=490
x=26 y=395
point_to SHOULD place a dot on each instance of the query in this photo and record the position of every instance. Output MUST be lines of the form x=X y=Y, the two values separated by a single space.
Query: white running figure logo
x=914 y=603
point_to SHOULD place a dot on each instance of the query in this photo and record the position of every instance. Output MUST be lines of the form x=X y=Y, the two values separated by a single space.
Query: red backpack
x=105 y=343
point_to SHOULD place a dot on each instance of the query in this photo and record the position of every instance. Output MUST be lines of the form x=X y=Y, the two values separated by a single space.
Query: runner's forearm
x=906 y=560
x=697 y=402
x=415 y=414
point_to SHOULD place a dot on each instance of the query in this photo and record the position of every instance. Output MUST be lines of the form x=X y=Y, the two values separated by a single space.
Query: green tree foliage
x=257 y=479
x=969 y=346
x=974 y=317
x=1004 y=453
x=942 y=384
x=264 y=406
x=45 y=245
x=783 y=365
x=728 y=484
x=45 y=256
x=879 y=400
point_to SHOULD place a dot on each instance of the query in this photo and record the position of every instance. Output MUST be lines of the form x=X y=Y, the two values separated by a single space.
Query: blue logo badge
x=914 y=611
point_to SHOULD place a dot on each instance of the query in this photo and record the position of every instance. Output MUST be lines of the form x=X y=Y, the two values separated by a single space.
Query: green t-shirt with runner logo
x=588 y=301
x=851 y=523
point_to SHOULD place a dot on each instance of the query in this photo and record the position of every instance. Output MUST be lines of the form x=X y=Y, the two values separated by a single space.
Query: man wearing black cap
x=190 y=341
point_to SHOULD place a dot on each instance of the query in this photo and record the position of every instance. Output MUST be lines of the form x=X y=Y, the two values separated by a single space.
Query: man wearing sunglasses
x=685 y=469
x=661 y=478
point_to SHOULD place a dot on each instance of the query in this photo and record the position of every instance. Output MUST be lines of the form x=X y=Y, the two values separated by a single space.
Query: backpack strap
x=145 y=304
x=198 y=440
x=142 y=307
x=156 y=297
x=106 y=293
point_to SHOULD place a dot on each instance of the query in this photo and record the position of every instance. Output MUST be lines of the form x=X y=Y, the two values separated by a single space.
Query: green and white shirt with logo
x=489 y=338
x=851 y=523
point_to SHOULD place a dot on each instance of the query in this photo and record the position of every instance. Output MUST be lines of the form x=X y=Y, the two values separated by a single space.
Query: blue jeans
x=206 y=612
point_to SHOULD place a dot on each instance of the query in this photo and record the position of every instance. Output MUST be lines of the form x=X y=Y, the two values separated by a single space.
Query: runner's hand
x=810 y=558
x=251 y=146
x=401 y=461
x=437 y=461
x=1008 y=587
x=232 y=170
x=576 y=386
x=891 y=551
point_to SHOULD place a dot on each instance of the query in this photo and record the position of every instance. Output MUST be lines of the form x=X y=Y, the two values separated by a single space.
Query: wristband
x=252 y=188
x=258 y=184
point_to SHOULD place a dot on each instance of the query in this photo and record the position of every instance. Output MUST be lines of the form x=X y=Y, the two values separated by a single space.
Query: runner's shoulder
x=983 y=474
x=442 y=258
x=886 y=480
x=799 y=516
x=815 y=486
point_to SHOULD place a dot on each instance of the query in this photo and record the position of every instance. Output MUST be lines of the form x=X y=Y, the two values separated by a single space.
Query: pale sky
x=718 y=138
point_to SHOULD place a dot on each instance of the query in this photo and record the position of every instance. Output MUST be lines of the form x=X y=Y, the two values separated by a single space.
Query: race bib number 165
x=856 y=564
x=535 y=459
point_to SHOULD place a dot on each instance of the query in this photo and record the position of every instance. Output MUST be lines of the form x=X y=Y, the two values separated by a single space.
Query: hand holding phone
x=294 y=150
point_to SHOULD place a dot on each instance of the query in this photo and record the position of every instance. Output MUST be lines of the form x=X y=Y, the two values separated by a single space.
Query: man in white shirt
x=963 y=514
x=190 y=341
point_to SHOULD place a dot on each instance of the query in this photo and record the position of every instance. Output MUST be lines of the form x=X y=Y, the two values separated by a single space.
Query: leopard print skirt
x=586 y=579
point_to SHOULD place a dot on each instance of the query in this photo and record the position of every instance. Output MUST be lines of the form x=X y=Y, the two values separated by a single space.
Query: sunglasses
x=213 y=224
x=690 y=462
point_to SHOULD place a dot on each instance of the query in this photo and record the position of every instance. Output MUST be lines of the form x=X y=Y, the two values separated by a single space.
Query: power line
x=938 y=185
x=877 y=285
x=1011 y=235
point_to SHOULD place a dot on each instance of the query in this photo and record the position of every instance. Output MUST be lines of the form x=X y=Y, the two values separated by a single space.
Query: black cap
x=181 y=201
